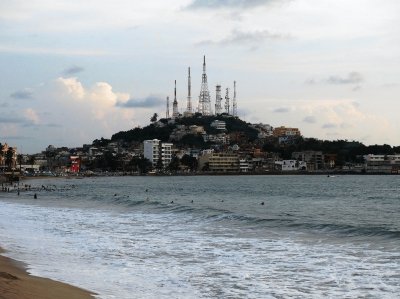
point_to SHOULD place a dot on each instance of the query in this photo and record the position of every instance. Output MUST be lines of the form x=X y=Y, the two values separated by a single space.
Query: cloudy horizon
x=76 y=71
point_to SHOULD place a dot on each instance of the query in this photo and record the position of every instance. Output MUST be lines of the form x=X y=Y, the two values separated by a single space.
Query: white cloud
x=51 y=50
x=31 y=116
x=97 y=102
x=337 y=119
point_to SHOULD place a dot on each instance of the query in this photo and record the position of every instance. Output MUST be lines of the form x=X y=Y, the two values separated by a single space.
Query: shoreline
x=17 y=283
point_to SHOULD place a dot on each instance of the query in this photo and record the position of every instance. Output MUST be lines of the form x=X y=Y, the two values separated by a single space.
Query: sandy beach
x=16 y=283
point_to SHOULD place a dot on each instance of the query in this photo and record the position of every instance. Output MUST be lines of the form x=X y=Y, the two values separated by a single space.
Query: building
x=156 y=151
x=283 y=131
x=75 y=164
x=264 y=130
x=291 y=165
x=221 y=162
x=196 y=129
x=245 y=165
x=219 y=125
x=315 y=159
x=382 y=163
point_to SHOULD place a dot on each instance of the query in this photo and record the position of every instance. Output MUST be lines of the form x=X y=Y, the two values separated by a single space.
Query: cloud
x=52 y=51
x=329 y=126
x=97 y=101
x=282 y=110
x=148 y=102
x=352 y=78
x=321 y=118
x=310 y=81
x=11 y=119
x=31 y=116
x=17 y=137
x=238 y=37
x=68 y=113
x=214 y=4
x=24 y=94
x=310 y=119
x=73 y=70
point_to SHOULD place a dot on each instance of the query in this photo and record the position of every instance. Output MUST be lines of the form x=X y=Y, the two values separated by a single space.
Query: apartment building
x=154 y=150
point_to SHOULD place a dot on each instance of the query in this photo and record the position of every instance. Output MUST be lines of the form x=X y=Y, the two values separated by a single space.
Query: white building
x=390 y=159
x=291 y=165
x=218 y=124
x=382 y=163
x=155 y=150
x=245 y=165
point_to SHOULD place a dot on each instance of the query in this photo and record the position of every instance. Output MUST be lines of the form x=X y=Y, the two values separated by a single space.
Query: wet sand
x=16 y=283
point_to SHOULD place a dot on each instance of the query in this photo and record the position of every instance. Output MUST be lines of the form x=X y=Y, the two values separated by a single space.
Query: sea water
x=211 y=236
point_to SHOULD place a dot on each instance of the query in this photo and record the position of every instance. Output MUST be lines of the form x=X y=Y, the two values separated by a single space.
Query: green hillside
x=155 y=131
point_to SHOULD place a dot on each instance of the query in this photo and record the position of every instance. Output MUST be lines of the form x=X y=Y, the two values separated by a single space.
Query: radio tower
x=167 y=113
x=227 y=106
x=175 y=112
x=189 y=98
x=204 y=98
x=234 y=104
x=218 y=100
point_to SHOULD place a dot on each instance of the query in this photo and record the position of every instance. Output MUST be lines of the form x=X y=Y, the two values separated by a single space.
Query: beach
x=17 y=283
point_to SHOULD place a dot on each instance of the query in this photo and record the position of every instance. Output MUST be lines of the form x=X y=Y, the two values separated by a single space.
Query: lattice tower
x=175 y=112
x=204 y=98
x=234 y=104
x=218 y=100
x=189 y=98
x=167 y=112
x=227 y=104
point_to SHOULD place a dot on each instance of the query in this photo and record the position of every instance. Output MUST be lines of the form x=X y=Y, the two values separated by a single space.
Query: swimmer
x=262 y=203
x=35 y=196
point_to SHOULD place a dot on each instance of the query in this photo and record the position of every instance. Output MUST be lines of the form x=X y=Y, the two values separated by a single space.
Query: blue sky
x=74 y=71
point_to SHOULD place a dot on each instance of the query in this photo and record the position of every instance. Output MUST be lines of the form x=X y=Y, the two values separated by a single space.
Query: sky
x=74 y=71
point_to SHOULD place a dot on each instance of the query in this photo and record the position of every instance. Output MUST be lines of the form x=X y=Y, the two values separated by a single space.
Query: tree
x=141 y=164
x=19 y=158
x=174 y=165
x=190 y=162
x=154 y=118
x=159 y=165
x=10 y=158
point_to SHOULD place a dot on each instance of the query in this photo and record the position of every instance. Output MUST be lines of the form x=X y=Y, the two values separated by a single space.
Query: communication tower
x=218 y=100
x=204 y=98
x=227 y=104
x=175 y=112
x=189 y=98
x=167 y=112
x=234 y=104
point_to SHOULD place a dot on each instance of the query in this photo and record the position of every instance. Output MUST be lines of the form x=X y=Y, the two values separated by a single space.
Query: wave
x=224 y=214
x=286 y=220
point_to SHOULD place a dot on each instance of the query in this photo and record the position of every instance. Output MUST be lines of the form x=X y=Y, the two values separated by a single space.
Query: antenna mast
x=234 y=108
x=189 y=98
x=175 y=112
x=204 y=98
x=218 y=100
x=227 y=105
x=167 y=112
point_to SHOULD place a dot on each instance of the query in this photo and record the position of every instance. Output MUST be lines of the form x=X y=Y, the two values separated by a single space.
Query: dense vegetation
x=153 y=131
x=346 y=151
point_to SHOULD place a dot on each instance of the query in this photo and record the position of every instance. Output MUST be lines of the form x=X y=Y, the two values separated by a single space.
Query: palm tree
x=32 y=161
x=10 y=158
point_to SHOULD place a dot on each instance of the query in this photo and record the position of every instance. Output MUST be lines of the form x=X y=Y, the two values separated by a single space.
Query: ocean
x=211 y=236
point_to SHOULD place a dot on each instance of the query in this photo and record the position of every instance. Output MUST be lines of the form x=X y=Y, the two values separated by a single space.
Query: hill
x=163 y=129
